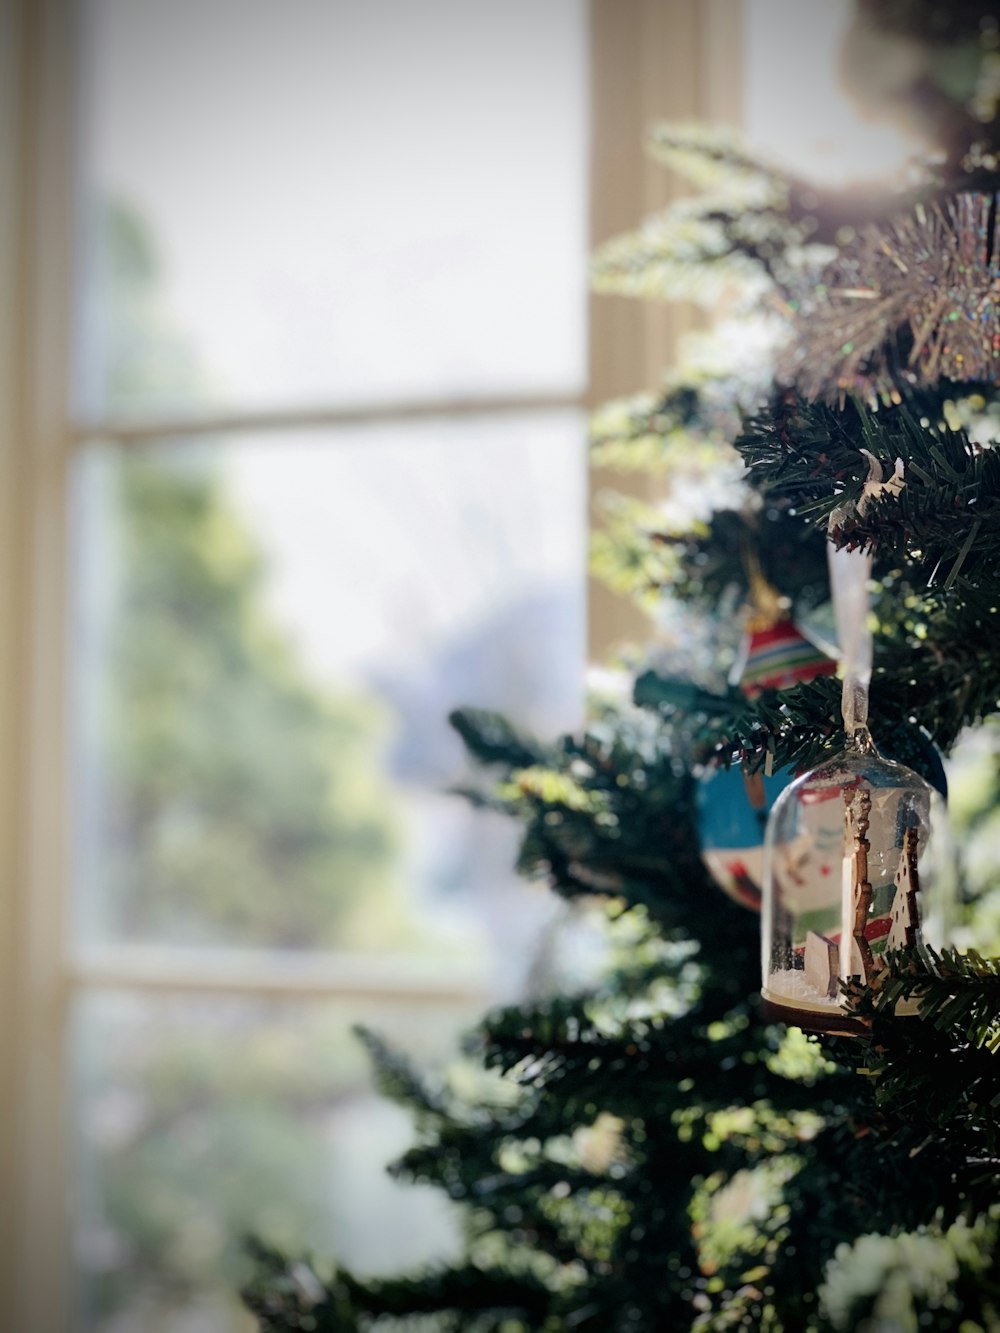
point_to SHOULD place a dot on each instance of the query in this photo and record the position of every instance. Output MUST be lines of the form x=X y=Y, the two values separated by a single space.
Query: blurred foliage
x=210 y=1118
x=228 y=772
x=224 y=770
x=237 y=803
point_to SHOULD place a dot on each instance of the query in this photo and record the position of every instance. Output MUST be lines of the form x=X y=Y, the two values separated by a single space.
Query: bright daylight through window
x=329 y=484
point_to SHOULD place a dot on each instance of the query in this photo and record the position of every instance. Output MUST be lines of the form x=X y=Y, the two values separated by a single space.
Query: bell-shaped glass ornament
x=856 y=862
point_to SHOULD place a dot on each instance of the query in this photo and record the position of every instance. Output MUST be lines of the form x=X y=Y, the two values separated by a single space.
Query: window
x=293 y=450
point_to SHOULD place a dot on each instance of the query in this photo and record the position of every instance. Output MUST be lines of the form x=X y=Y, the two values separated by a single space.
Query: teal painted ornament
x=732 y=814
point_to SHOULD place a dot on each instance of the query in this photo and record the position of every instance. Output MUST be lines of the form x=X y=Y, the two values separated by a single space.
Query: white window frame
x=650 y=60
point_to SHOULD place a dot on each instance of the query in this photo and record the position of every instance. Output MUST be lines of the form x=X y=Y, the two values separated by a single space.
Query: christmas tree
x=654 y=1153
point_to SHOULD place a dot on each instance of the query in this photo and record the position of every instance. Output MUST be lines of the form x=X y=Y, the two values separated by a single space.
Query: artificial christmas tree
x=657 y=1156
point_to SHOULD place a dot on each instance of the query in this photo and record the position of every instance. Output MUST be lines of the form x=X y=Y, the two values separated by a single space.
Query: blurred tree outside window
x=297 y=542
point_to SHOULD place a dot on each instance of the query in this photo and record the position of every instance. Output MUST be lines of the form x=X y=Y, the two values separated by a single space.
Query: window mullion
x=275 y=973
x=329 y=417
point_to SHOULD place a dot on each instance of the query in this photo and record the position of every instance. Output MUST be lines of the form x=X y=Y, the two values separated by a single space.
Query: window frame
x=646 y=64
x=33 y=448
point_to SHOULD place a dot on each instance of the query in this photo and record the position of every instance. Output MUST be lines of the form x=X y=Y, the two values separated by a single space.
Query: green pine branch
x=944 y=522
x=287 y=1296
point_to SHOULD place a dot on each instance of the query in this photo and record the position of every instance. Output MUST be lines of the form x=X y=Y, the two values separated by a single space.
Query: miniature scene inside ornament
x=856 y=864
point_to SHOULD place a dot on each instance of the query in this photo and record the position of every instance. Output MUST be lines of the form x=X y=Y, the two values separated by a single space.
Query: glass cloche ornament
x=855 y=864
x=856 y=854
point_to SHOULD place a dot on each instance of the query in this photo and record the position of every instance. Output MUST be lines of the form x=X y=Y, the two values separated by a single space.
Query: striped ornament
x=779 y=656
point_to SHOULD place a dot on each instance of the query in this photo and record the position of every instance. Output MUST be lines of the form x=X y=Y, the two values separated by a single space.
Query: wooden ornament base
x=835 y=1023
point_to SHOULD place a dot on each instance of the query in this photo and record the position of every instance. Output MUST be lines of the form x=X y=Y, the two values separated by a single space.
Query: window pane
x=270 y=632
x=329 y=200
x=198 y=1124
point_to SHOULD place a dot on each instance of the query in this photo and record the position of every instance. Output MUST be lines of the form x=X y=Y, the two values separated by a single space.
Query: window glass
x=340 y=200
x=200 y=1122
x=271 y=632
x=293 y=209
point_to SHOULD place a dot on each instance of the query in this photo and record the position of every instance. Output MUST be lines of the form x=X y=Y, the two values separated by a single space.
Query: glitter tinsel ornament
x=913 y=300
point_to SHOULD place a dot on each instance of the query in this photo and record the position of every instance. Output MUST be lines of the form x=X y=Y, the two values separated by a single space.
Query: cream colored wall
x=653 y=60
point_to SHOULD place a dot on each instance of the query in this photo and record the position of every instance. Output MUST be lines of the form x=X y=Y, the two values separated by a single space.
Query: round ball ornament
x=733 y=807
